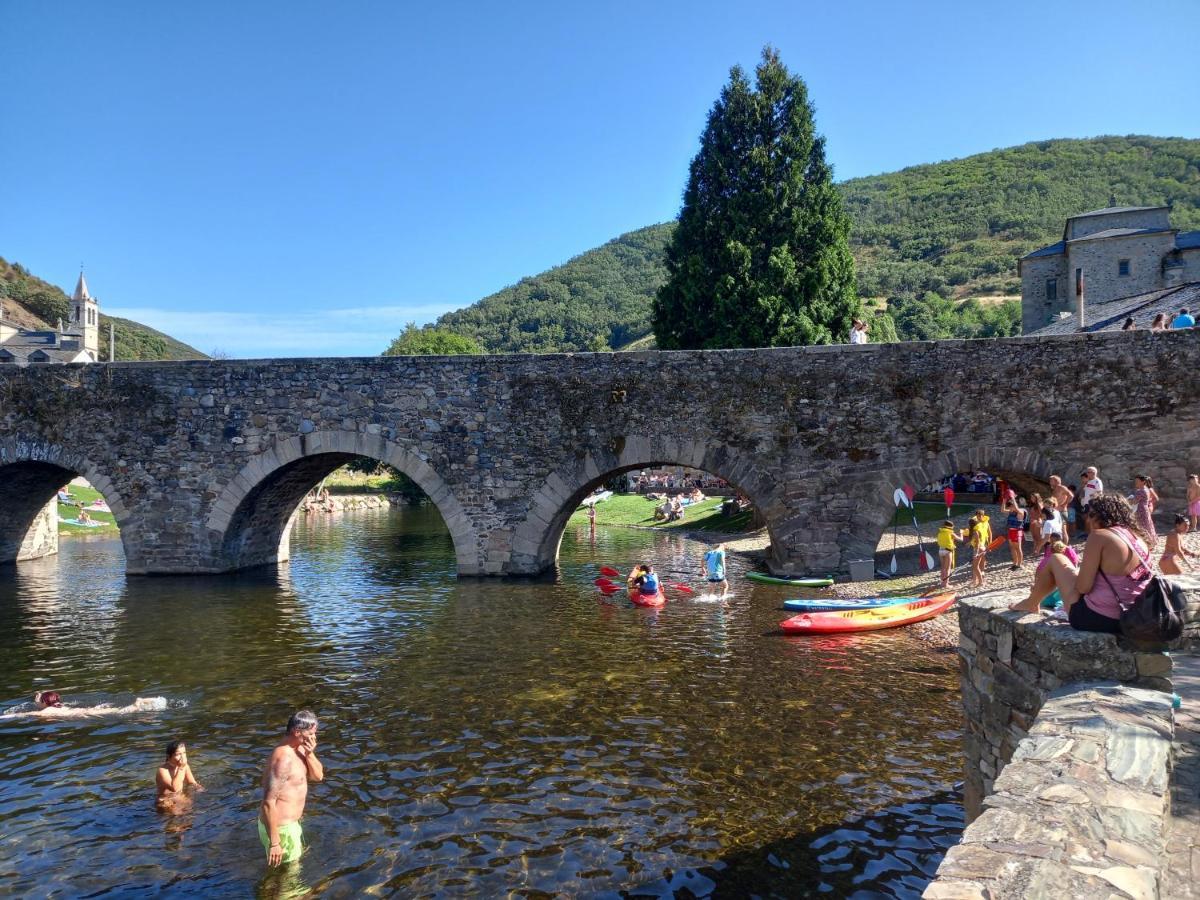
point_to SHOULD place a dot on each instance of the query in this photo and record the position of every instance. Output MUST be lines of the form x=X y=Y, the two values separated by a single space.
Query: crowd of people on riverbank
x=1092 y=585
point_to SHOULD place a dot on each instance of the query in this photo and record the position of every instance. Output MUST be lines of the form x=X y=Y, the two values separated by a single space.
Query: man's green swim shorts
x=290 y=839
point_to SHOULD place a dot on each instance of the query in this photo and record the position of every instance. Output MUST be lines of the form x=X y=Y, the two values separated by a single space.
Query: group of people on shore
x=1115 y=566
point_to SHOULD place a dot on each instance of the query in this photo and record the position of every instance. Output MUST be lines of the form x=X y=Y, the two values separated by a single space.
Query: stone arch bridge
x=204 y=463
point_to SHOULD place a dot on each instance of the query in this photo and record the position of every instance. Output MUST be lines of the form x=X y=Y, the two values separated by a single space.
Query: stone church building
x=76 y=341
x=1115 y=252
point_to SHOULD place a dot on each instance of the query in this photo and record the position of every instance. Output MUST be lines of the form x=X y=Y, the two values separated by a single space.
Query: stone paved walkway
x=1182 y=879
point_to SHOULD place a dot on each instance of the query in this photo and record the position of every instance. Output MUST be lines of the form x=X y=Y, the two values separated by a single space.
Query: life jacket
x=649 y=583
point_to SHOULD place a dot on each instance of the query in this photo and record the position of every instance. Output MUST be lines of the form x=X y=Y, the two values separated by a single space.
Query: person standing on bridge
x=293 y=764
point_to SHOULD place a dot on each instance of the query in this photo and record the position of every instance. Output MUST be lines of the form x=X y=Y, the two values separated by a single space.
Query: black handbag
x=1156 y=616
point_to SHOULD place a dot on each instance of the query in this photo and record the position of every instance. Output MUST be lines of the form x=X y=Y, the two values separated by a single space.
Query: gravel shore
x=942 y=632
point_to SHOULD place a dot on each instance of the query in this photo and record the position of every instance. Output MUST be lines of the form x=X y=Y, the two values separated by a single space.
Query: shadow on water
x=893 y=852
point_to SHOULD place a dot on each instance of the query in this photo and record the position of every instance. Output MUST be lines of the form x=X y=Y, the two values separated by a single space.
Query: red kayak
x=869 y=619
x=637 y=598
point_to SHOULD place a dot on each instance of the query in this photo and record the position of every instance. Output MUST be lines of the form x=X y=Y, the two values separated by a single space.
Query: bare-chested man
x=293 y=764
x=1063 y=496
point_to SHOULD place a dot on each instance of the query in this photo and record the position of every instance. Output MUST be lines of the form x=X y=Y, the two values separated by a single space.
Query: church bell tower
x=85 y=317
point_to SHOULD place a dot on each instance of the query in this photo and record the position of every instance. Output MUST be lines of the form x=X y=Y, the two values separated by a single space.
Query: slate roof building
x=77 y=341
x=1113 y=253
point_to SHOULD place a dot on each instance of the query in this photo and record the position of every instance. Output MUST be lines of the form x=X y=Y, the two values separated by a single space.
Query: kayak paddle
x=610 y=571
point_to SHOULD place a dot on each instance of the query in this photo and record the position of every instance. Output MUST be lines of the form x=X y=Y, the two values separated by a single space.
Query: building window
x=1051 y=289
x=1122 y=267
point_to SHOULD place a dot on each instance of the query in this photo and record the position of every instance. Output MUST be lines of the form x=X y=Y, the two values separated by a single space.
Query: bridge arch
x=31 y=472
x=876 y=506
x=537 y=538
x=249 y=522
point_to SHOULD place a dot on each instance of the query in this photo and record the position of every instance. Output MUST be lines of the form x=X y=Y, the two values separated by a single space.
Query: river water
x=479 y=737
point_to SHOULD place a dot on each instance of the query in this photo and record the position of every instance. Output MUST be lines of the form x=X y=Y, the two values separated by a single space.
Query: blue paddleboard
x=836 y=605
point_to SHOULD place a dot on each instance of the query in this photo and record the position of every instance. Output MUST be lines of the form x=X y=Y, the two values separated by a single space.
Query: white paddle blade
x=893 y=567
x=900 y=498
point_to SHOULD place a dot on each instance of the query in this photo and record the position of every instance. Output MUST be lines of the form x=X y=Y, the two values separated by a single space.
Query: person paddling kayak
x=644 y=579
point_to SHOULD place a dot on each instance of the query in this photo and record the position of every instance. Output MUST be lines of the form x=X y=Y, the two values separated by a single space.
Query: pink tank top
x=1112 y=593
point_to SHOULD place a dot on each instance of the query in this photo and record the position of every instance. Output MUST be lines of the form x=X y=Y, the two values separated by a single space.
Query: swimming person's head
x=302 y=722
x=45 y=699
x=176 y=752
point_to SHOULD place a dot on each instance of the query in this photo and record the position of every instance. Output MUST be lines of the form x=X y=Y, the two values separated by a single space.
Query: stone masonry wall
x=42 y=537
x=1080 y=812
x=1036 y=310
x=1098 y=259
x=1010 y=663
x=203 y=463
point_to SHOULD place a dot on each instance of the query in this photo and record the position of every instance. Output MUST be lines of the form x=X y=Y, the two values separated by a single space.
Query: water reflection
x=479 y=736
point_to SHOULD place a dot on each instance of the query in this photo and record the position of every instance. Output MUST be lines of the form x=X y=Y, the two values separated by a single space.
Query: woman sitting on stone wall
x=1113 y=573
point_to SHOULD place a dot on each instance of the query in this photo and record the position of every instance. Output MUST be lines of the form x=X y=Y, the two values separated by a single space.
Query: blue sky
x=302 y=178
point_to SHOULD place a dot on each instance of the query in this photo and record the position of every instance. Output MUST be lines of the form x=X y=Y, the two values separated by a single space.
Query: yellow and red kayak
x=869 y=619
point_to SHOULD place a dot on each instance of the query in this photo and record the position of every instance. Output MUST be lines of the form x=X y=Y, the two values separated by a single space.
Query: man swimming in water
x=293 y=764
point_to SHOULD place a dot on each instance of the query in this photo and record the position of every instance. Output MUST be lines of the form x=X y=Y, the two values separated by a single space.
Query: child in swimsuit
x=1174 y=558
x=946 y=540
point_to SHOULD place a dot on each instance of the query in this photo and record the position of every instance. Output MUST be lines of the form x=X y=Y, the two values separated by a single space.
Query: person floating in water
x=293 y=764
x=171 y=778
x=713 y=568
x=47 y=700
x=50 y=705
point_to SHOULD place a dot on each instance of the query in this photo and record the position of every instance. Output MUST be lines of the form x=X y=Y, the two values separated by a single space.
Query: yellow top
x=981 y=533
x=945 y=538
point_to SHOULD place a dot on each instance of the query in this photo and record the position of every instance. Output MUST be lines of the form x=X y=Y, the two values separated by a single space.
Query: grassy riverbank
x=636 y=511
x=85 y=496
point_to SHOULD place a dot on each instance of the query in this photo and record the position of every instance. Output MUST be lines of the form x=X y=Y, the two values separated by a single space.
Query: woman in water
x=50 y=705
x=172 y=776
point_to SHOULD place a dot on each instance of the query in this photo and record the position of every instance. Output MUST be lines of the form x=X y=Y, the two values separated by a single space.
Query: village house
x=1106 y=255
x=74 y=342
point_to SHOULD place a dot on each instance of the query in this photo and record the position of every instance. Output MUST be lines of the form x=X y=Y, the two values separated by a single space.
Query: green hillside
x=40 y=304
x=598 y=300
x=955 y=229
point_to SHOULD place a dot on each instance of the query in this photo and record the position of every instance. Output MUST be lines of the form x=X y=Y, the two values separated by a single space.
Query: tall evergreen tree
x=761 y=256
